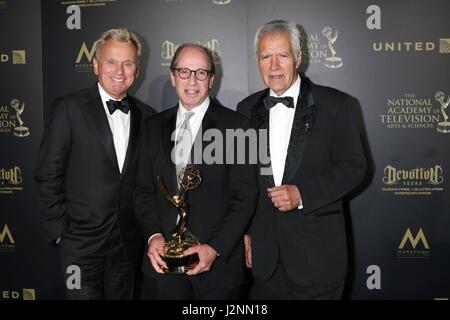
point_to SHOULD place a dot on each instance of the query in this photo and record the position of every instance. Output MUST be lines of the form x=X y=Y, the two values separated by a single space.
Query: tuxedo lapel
x=259 y=118
x=167 y=129
x=301 y=128
x=135 y=128
x=99 y=123
x=209 y=120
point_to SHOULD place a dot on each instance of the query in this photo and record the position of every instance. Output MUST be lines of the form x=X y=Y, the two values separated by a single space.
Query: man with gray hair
x=86 y=174
x=296 y=244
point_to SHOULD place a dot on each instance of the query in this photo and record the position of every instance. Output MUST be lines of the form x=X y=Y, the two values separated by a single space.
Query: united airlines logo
x=441 y=46
x=15 y=57
x=444 y=45
x=24 y=294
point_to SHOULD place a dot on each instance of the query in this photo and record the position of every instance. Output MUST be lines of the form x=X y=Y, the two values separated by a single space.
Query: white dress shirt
x=281 y=119
x=119 y=123
x=195 y=123
x=280 y=127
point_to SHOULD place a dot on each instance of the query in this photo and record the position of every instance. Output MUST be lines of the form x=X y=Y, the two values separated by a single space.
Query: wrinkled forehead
x=193 y=57
x=276 y=41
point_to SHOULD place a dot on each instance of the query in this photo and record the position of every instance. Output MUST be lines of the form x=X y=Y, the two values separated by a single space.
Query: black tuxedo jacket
x=81 y=188
x=325 y=160
x=220 y=210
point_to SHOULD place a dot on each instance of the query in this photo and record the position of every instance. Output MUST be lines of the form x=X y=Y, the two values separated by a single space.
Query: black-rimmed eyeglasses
x=185 y=73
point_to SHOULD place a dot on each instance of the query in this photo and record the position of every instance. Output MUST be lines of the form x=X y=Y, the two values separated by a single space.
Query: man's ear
x=172 y=78
x=95 y=64
x=211 y=81
x=138 y=70
x=299 y=60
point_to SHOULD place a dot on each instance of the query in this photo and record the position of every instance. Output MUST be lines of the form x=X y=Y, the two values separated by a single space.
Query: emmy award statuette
x=181 y=239
x=333 y=61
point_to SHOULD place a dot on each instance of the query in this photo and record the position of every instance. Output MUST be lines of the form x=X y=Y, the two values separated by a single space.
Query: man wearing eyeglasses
x=219 y=210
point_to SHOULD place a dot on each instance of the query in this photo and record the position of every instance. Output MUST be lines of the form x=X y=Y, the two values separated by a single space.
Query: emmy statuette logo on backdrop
x=333 y=61
x=21 y=130
x=443 y=127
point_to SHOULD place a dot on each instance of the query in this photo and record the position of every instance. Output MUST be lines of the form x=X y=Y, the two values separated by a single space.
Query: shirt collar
x=293 y=91
x=200 y=110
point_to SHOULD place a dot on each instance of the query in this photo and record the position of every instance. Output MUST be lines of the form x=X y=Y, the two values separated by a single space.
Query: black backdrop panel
x=29 y=266
x=398 y=71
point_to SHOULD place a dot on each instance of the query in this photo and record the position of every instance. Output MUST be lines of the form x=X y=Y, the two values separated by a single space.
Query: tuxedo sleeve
x=51 y=169
x=144 y=194
x=348 y=162
x=241 y=205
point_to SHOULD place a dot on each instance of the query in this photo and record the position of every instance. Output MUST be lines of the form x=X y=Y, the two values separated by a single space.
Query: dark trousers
x=280 y=287
x=183 y=287
x=107 y=274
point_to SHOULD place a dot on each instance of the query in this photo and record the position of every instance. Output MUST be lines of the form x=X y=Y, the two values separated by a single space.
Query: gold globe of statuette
x=189 y=178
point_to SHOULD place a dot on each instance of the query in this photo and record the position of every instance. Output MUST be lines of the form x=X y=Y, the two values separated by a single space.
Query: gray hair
x=279 y=26
x=122 y=35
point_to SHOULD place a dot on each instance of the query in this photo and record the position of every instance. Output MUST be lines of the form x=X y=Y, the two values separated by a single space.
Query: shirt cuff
x=300 y=206
x=152 y=236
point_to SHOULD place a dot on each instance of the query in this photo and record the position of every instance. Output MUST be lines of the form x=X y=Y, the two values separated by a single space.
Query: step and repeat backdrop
x=393 y=56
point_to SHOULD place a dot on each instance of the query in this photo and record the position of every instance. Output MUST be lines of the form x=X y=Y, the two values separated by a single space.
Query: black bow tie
x=123 y=105
x=269 y=101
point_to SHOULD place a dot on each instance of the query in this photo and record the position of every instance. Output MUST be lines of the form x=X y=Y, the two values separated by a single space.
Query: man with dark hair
x=86 y=174
x=220 y=209
x=296 y=245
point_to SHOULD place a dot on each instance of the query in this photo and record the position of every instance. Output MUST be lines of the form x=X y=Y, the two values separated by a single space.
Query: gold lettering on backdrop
x=414 y=240
x=432 y=175
x=12 y=176
x=403 y=46
x=410 y=112
x=168 y=50
x=84 y=51
x=213 y=45
x=6 y=233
